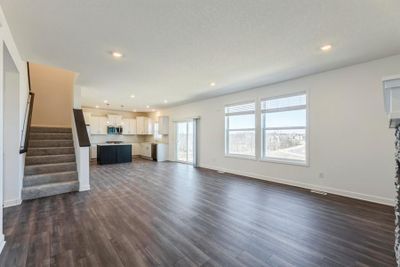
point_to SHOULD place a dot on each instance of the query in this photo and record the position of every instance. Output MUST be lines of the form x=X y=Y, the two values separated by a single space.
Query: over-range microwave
x=114 y=129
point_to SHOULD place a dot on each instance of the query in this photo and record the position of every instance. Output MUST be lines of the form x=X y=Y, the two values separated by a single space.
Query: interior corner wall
x=349 y=138
x=54 y=92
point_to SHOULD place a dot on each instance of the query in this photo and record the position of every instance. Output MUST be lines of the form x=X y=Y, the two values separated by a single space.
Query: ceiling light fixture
x=97 y=106
x=116 y=54
x=134 y=110
x=132 y=96
x=326 y=47
x=147 y=106
x=105 y=101
x=212 y=84
x=165 y=101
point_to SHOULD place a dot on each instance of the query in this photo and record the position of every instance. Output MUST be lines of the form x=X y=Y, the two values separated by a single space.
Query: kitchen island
x=114 y=153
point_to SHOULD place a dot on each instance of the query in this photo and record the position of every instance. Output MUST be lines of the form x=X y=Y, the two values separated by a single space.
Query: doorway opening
x=184 y=142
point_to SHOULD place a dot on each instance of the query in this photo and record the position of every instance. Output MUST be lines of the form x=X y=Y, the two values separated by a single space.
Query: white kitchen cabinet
x=149 y=126
x=129 y=126
x=145 y=150
x=93 y=151
x=87 y=116
x=98 y=125
x=144 y=125
x=163 y=125
x=136 y=149
x=140 y=125
x=115 y=120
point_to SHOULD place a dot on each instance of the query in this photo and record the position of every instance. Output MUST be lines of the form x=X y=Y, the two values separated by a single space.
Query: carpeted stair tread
x=49 y=168
x=50 y=136
x=50 y=143
x=51 y=130
x=51 y=189
x=46 y=178
x=50 y=164
x=47 y=159
x=42 y=151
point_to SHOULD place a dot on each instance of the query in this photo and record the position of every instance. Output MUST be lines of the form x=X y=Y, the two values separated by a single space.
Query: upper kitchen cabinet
x=144 y=125
x=129 y=126
x=87 y=116
x=115 y=120
x=163 y=125
x=98 y=125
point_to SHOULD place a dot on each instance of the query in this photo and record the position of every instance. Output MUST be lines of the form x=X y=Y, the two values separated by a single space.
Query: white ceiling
x=174 y=49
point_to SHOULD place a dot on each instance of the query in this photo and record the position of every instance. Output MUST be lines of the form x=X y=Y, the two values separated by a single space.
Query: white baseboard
x=2 y=242
x=331 y=190
x=12 y=202
x=84 y=188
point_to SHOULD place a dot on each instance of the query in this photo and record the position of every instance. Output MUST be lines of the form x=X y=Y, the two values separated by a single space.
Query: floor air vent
x=319 y=192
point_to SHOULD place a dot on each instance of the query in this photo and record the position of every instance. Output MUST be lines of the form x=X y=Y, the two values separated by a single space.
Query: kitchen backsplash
x=99 y=139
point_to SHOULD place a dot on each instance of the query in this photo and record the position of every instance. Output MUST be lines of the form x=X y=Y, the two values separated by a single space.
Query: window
x=284 y=128
x=240 y=131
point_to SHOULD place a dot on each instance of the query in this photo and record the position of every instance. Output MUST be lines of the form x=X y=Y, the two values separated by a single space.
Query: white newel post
x=82 y=161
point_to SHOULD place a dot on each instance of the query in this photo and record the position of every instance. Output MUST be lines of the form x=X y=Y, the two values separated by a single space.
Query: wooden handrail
x=27 y=124
x=80 y=125
x=26 y=130
x=29 y=76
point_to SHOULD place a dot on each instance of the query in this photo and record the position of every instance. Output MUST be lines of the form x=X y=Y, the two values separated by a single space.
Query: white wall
x=12 y=182
x=54 y=95
x=349 y=137
x=6 y=40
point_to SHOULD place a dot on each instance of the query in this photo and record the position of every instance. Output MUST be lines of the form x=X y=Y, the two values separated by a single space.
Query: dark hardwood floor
x=169 y=214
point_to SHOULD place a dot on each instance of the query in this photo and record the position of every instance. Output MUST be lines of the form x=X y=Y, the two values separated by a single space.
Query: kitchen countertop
x=121 y=144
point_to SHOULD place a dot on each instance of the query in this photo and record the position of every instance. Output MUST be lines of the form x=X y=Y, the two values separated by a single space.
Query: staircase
x=50 y=167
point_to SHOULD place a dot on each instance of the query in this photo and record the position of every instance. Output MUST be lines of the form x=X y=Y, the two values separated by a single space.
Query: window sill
x=286 y=162
x=240 y=157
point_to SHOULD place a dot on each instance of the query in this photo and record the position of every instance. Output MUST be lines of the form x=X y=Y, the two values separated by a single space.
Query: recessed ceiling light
x=326 y=47
x=105 y=101
x=134 y=110
x=97 y=106
x=116 y=54
x=147 y=106
x=165 y=101
x=132 y=96
x=212 y=84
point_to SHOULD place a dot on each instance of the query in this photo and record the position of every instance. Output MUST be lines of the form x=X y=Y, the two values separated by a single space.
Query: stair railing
x=24 y=142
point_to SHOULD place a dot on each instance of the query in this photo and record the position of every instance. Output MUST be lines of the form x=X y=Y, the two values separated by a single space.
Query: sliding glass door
x=184 y=141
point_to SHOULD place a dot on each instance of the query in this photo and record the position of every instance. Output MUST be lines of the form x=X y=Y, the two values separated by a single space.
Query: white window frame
x=233 y=155
x=306 y=128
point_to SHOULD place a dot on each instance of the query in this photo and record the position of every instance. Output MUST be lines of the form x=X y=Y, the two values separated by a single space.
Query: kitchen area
x=121 y=136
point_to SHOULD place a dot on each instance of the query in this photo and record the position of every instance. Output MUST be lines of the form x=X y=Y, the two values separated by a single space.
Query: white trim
x=392 y=77
x=239 y=156
x=84 y=187
x=12 y=202
x=330 y=190
x=285 y=161
x=2 y=242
